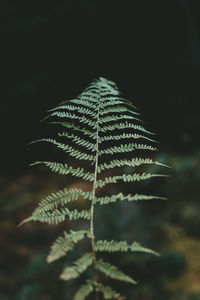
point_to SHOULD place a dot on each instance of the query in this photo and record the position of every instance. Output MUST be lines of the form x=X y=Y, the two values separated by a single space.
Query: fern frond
x=67 y=115
x=92 y=95
x=68 y=149
x=65 y=243
x=122 y=126
x=113 y=272
x=84 y=291
x=79 y=109
x=99 y=116
x=79 y=266
x=60 y=198
x=108 y=292
x=85 y=102
x=124 y=148
x=125 y=136
x=127 y=178
x=116 y=109
x=121 y=197
x=79 y=141
x=135 y=162
x=64 y=169
x=57 y=216
x=114 y=118
x=85 y=131
x=123 y=246
x=112 y=101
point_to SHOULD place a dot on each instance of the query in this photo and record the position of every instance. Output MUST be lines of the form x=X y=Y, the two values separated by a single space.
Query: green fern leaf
x=68 y=149
x=113 y=272
x=79 y=266
x=123 y=246
x=80 y=110
x=135 y=162
x=114 y=118
x=79 y=141
x=83 y=120
x=84 y=291
x=124 y=136
x=129 y=197
x=123 y=148
x=79 y=129
x=64 y=169
x=60 y=198
x=57 y=216
x=65 y=243
x=127 y=178
x=122 y=126
x=108 y=292
x=116 y=109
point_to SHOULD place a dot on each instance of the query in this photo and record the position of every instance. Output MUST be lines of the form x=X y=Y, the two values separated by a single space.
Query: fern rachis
x=97 y=117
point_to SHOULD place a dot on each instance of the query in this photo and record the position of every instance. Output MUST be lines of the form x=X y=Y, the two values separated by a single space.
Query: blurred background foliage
x=52 y=50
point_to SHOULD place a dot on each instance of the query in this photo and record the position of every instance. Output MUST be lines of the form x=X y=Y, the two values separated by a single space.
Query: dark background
x=51 y=51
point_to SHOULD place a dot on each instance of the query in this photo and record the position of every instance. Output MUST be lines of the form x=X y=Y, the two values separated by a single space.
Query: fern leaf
x=135 y=162
x=68 y=149
x=121 y=197
x=113 y=272
x=114 y=118
x=84 y=291
x=65 y=243
x=116 y=109
x=115 y=101
x=79 y=141
x=83 y=130
x=124 y=148
x=124 y=136
x=85 y=102
x=79 y=109
x=67 y=115
x=122 y=126
x=108 y=292
x=64 y=169
x=60 y=198
x=123 y=246
x=127 y=178
x=79 y=266
x=57 y=216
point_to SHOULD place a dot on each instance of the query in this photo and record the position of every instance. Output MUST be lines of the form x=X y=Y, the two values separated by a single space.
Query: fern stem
x=92 y=209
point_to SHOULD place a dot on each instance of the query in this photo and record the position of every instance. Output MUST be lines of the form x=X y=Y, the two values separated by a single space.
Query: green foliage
x=113 y=271
x=108 y=292
x=97 y=117
x=63 y=244
x=79 y=267
x=84 y=290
